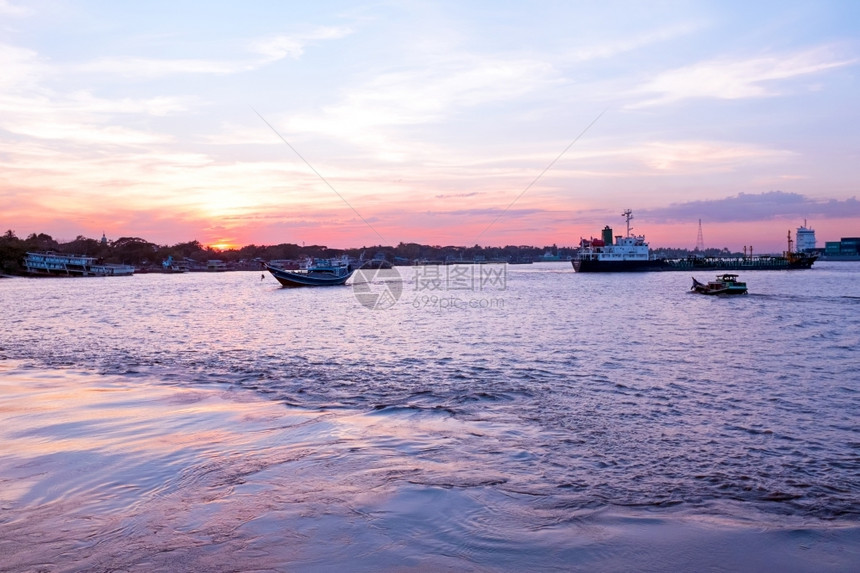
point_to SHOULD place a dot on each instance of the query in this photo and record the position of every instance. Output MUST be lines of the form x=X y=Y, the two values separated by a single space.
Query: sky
x=352 y=124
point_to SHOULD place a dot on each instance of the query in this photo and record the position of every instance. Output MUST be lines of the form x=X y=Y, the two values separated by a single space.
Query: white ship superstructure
x=805 y=238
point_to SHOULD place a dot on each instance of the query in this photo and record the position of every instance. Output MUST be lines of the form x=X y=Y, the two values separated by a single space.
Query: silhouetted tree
x=12 y=252
x=84 y=246
x=192 y=250
x=41 y=242
x=133 y=251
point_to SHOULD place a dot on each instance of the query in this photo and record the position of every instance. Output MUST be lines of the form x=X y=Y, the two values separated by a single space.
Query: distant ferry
x=63 y=265
x=632 y=254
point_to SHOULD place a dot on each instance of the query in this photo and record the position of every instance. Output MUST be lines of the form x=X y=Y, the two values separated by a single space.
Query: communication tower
x=700 y=240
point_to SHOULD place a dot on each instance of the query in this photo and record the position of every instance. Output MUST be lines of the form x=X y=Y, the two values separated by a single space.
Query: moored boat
x=724 y=284
x=64 y=265
x=319 y=272
x=170 y=265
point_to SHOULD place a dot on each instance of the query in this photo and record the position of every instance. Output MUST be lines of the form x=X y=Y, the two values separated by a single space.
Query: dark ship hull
x=292 y=279
x=758 y=263
x=598 y=266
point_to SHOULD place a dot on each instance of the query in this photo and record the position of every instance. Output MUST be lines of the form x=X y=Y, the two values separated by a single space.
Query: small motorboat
x=321 y=272
x=724 y=284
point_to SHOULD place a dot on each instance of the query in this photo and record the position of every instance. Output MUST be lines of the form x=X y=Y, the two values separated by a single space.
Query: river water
x=478 y=418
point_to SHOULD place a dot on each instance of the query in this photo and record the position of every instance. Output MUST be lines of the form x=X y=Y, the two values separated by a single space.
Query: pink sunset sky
x=353 y=124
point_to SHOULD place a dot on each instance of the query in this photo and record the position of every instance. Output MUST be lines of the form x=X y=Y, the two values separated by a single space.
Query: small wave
x=410 y=408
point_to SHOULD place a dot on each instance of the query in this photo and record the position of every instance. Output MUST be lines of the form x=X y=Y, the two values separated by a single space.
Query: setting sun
x=223 y=245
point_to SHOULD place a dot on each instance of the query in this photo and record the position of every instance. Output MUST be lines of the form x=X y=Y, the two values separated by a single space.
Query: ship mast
x=628 y=214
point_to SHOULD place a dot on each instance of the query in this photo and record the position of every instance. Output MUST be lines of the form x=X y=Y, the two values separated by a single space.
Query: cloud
x=696 y=155
x=612 y=48
x=457 y=195
x=156 y=67
x=77 y=104
x=293 y=46
x=371 y=114
x=266 y=50
x=767 y=206
x=9 y=9
x=22 y=68
x=485 y=212
x=30 y=107
x=737 y=79
x=70 y=131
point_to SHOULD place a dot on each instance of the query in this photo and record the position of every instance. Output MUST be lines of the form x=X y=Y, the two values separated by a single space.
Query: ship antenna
x=629 y=215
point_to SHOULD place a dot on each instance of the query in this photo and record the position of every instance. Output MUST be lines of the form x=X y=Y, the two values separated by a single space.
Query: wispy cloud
x=265 y=51
x=737 y=78
x=155 y=67
x=293 y=46
x=615 y=47
x=746 y=207
x=84 y=118
x=372 y=113
x=46 y=102
x=457 y=195
x=22 y=68
x=680 y=156
x=9 y=9
x=71 y=131
x=604 y=158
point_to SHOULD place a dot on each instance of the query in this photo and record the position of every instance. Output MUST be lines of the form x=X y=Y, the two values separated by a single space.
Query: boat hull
x=763 y=263
x=725 y=291
x=292 y=279
x=597 y=266
x=696 y=264
x=708 y=289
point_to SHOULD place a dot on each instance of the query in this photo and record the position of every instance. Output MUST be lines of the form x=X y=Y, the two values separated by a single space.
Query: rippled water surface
x=518 y=424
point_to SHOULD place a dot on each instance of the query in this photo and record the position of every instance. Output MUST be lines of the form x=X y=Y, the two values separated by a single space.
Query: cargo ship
x=628 y=254
x=631 y=253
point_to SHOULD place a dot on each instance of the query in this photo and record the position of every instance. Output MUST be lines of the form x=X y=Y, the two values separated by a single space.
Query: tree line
x=142 y=253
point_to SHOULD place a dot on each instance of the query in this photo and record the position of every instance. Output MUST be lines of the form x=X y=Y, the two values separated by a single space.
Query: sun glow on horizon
x=224 y=245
